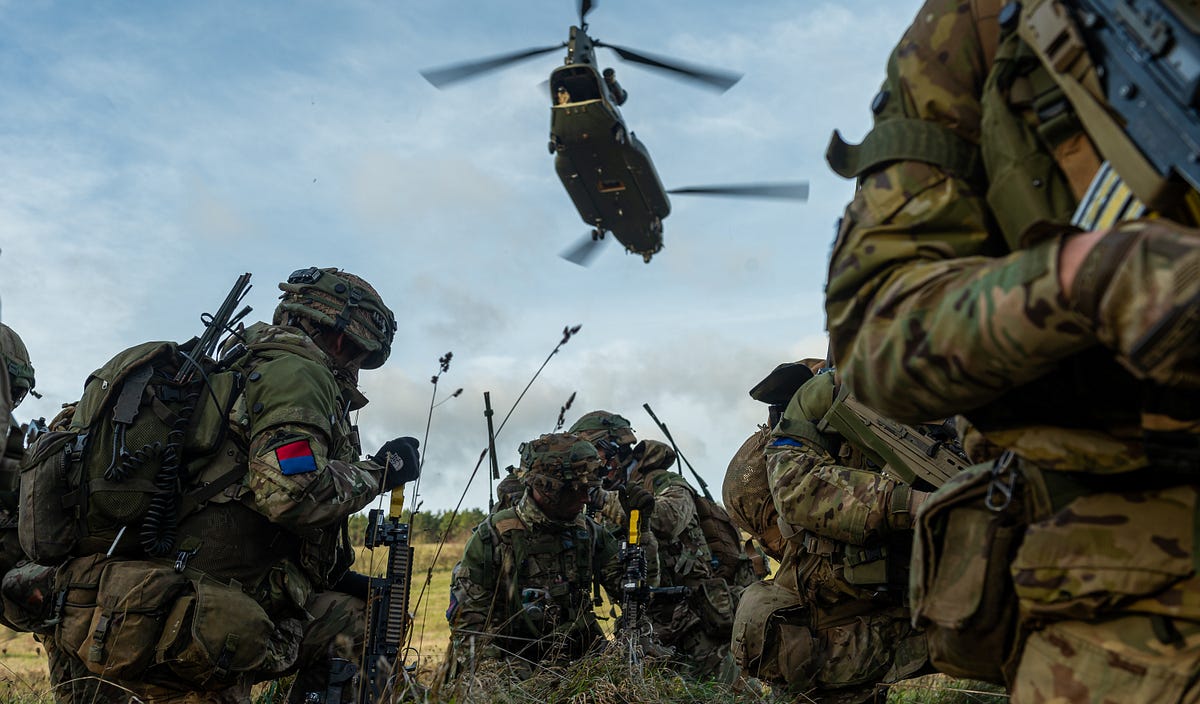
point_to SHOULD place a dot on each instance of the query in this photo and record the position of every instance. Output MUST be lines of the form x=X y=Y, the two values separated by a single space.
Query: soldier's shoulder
x=660 y=480
x=279 y=341
x=504 y=523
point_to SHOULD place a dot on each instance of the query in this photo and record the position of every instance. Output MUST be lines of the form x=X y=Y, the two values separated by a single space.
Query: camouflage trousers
x=1112 y=601
x=700 y=647
x=338 y=630
x=1116 y=660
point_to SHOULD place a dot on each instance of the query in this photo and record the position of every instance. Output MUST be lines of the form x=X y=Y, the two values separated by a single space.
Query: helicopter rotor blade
x=584 y=7
x=718 y=80
x=445 y=75
x=797 y=190
x=583 y=250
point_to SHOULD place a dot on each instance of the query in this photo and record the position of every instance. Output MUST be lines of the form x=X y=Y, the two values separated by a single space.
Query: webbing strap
x=126 y=407
x=905 y=139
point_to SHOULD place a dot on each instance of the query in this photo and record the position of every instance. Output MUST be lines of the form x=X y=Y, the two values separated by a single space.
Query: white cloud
x=153 y=152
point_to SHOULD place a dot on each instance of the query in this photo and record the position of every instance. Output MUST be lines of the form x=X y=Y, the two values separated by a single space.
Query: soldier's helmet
x=16 y=361
x=604 y=425
x=558 y=461
x=343 y=302
x=747 y=494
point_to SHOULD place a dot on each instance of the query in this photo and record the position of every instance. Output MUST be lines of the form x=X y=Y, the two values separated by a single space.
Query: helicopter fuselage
x=605 y=169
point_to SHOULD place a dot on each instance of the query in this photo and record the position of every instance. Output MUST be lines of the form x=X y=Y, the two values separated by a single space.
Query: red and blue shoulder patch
x=295 y=458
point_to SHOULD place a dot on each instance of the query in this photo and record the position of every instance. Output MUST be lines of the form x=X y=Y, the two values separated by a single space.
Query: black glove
x=633 y=496
x=354 y=584
x=399 y=457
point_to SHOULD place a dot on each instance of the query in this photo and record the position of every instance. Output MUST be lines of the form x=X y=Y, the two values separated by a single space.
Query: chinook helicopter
x=605 y=168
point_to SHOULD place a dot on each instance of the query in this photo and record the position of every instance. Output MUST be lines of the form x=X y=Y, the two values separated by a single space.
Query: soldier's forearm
x=1005 y=320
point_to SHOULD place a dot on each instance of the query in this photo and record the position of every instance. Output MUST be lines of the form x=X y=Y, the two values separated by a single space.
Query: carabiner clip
x=1000 y=489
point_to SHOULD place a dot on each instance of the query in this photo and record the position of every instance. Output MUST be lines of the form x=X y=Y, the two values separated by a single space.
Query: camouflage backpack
x=123 y=472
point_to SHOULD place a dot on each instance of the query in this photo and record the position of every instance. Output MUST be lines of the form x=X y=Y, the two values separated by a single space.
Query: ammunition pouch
x=144 y=621
x=865 y=566
x=962 y=591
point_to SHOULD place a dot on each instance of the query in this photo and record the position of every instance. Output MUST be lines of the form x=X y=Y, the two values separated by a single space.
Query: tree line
x=427 y=526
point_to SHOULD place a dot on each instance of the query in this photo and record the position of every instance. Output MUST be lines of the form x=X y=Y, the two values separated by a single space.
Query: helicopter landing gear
x=597 y=235
x=619 y=135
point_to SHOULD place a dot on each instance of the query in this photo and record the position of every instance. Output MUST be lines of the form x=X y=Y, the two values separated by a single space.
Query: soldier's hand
x=635 y=497
x=400 y=460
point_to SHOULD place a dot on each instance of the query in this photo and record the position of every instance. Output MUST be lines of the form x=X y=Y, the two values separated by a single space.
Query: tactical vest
x=546 y=577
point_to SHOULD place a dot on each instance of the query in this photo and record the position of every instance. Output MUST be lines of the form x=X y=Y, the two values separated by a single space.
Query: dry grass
x=605 y=679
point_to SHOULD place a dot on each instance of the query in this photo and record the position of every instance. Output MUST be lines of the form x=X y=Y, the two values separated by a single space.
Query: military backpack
x=722 y=536
x=140 y=451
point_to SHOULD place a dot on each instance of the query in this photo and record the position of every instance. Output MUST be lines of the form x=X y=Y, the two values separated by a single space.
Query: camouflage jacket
x=934 y=310
x=291 y=428
x=683 y=555
x=937 y=305
x=837 y=512
x=524 y=587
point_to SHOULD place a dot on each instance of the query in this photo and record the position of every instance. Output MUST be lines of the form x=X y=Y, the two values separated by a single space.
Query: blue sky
x=154 y=151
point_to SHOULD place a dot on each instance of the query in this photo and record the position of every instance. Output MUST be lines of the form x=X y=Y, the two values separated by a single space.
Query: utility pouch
x=132 y=601
x=962 y=590
x=49 y=520
x=213 y=635
x=771 y=636
x=865 y=566
x=76 y=585
x=716 y=605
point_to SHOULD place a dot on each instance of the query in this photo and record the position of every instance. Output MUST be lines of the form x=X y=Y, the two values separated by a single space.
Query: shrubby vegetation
x=428 y=526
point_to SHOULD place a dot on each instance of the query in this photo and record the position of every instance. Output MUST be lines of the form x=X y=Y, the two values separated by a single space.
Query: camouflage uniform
x=522 y=595
x=944 y=298
x=699 y=627
x=19 y=373
x=844 y=569
x=613 y=437
x=281 y=532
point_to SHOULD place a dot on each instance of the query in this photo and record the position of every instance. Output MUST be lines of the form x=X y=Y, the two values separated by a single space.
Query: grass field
x=24 y=678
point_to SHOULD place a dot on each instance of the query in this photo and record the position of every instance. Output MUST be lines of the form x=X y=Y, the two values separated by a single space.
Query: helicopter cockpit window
x=574 y=87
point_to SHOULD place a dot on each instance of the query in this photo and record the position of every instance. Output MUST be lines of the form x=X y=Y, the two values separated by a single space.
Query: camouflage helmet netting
x=341 y=301
x=598 y=425
x=16 y=360
x=555 y=460
x=746 y=493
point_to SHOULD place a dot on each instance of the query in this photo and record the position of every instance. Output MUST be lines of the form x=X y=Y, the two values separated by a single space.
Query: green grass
x=942 y=689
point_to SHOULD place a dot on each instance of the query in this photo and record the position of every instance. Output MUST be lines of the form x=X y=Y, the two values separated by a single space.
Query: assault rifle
x=159 y=527
x=635 y=592
x=387 y=605
x=907 y=453
x=1143 y=56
